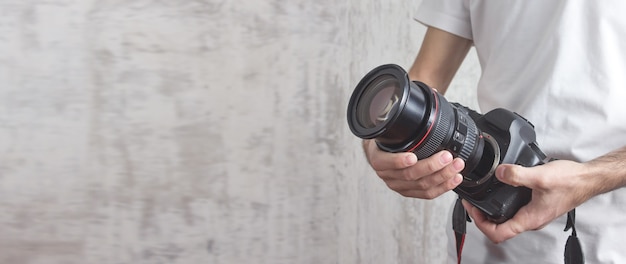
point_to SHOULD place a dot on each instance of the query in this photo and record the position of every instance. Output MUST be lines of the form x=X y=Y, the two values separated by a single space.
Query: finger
x=439 y=177
x=516 y=175
x=429 y=182
x=433 y=163
x=432 y=192
x=423 y=171
x=469 y=208
x=497 y=233
x=382 y=161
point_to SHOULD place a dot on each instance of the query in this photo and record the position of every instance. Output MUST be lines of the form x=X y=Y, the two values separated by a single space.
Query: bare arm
x=439 y=58
x=608 y=171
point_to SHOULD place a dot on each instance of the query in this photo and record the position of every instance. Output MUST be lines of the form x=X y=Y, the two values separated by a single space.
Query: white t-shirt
x=562 y=65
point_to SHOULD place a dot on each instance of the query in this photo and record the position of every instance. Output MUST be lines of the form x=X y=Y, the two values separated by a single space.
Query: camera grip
x=503 y=203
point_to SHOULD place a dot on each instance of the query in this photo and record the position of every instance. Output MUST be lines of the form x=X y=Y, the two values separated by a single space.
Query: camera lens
x=410 y=116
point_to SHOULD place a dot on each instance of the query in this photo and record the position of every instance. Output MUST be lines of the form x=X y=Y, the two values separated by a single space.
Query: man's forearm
x=607 y=172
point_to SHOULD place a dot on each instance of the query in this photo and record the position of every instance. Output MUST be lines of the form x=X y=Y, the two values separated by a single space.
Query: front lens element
x=379 y=101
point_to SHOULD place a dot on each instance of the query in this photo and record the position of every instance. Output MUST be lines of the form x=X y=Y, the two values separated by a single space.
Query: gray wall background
x=147 y=131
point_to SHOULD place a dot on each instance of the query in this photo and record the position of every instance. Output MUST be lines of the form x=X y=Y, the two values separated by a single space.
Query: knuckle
x=397 y=186
x=432 y=166
x=384 y=175
x=450 y=185
x=421 y=185
x=543 y=183
x=376 y=163
x=447 y=175
x=390 y=184
x=430 y=194
x=498 y=238
x=517 y=229
x=407 y=175
x=407 y=194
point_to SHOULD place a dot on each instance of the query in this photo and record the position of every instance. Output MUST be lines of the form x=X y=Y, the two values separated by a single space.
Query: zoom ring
x=443 y=124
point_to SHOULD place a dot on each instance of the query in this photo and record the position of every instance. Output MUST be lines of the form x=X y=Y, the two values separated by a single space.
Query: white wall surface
x=145 y=131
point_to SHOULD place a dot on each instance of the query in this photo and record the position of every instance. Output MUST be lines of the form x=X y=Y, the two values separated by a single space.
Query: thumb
x=515 y=175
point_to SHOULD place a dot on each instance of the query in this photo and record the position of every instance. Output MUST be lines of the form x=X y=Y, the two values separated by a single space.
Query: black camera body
x=403 y=115
x=516 y=142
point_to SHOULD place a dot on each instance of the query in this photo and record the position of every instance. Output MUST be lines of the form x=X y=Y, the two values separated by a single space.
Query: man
x=562 y=65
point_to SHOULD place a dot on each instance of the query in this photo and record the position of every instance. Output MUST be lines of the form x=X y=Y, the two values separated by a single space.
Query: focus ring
x=470 y=139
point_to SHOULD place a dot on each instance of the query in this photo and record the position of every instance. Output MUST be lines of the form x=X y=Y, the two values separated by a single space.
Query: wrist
x=589 y=180
x=603 y=174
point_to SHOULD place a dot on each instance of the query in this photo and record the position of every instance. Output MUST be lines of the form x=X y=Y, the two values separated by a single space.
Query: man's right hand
x=403 y=173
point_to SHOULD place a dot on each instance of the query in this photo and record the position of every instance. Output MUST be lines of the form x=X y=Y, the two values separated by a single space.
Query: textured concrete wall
x=144 y=131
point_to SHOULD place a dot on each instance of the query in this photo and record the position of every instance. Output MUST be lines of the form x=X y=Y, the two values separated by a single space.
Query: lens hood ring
x=394 y=73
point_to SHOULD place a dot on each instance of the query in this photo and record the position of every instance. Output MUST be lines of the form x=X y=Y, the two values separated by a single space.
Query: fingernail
x=410 y=159
x=445 y=158
x=500 y=172
x=458 y=164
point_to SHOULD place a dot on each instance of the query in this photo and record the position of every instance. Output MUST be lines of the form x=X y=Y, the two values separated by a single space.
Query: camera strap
x=459 y=225
x=573 y=250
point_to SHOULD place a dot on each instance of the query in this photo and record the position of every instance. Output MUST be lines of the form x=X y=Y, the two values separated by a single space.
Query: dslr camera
x=402 y=115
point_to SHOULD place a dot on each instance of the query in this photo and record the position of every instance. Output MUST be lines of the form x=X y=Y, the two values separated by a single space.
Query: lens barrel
x=410 y=116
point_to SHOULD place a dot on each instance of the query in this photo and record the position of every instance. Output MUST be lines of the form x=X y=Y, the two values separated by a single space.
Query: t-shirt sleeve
x=448 y=15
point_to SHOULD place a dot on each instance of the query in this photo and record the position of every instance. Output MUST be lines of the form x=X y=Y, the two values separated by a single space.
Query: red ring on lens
x=431 y=124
